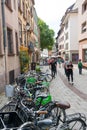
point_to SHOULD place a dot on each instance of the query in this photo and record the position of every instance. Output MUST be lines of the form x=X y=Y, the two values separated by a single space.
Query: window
x=66 y=25
x=84 y=6
x=61 y=39
x=23 y=9
x=0 y=40
x=11 y=76
x=19 y=4
x=66 y=56
x=84 y=27
x=10 y=41
x=15 y=4
x=8 y=3
x=20 y=32
x=16 y=41
x=62 y=46
x=66 y=36
x=66 y=46
x=59 y=46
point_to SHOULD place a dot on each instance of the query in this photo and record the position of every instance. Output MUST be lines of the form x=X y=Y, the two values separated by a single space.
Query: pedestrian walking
x=53 y=66
x=70 y=72
x=80 y=66
x=59 y=61
x=65 y=65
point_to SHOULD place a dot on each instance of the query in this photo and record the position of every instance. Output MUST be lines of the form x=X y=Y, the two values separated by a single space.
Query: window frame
x=83 y=27
x=8 y=4
x=16 y=43
x=10 y=41
x=84 y=6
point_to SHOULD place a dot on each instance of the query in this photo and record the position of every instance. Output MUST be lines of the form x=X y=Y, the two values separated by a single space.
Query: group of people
x=68 y=68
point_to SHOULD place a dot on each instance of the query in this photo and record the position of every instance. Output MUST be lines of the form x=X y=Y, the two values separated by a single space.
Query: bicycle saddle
x=62 y=105
x=42 y=96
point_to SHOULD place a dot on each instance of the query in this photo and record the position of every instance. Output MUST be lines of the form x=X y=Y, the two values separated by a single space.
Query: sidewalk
x=80 y=81
x=3 y=99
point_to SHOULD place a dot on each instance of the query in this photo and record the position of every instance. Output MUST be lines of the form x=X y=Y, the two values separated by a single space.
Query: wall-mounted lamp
x=27 y=27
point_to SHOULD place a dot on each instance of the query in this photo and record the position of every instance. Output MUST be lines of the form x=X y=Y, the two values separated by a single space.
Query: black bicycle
x=72 y=122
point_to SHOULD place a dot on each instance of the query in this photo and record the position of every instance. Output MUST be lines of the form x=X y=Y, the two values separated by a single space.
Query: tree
x=46 y=35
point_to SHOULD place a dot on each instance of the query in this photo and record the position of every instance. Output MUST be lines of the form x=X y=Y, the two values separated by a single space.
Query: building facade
x=15 y=15
x=9 y=59
x=82 y=29
x=68 y=35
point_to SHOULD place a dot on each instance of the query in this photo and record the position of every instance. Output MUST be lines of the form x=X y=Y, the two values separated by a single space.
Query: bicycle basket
x=31 y=80
x=45 y=84
x=10 y=120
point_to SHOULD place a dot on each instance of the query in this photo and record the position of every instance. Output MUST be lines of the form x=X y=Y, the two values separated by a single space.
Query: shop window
x=85 y=55
x=0 y=40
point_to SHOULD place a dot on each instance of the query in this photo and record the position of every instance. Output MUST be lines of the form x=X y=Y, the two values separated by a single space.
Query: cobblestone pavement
x=60 y=89
x=3 y=99
x=75 y=94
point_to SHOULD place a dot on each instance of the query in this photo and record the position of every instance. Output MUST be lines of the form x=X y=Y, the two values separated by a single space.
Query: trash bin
x=33 y=66
x=9 y=90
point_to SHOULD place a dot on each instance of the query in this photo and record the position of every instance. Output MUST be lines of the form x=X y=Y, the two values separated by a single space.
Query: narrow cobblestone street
x=60 y=89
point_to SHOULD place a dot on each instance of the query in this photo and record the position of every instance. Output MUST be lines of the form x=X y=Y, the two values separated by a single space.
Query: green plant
x=24 y=61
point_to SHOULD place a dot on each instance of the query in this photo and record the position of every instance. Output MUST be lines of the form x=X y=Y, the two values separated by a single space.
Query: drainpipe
x=4 y=35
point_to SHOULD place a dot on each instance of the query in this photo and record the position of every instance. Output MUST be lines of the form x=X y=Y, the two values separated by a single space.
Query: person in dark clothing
x=80 y=66
x=53 y=65
x=70 y=72
x=65 y=66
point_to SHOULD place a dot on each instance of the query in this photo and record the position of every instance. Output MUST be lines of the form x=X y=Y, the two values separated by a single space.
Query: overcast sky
x=51 y=11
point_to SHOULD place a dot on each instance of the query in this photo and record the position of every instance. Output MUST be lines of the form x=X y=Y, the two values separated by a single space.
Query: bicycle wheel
x=57 y=115
x=8 y=107
x=75 y=124
x=49 y=77
x=28 y=126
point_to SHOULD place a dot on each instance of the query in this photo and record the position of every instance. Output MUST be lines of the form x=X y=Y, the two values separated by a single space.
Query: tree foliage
x=46 y=35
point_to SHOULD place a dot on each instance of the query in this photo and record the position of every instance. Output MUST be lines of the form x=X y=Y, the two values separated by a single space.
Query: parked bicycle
x=73 y=122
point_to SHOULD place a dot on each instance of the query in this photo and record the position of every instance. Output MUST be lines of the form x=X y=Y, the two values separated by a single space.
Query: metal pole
x=4 y=35
x=3 y=22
